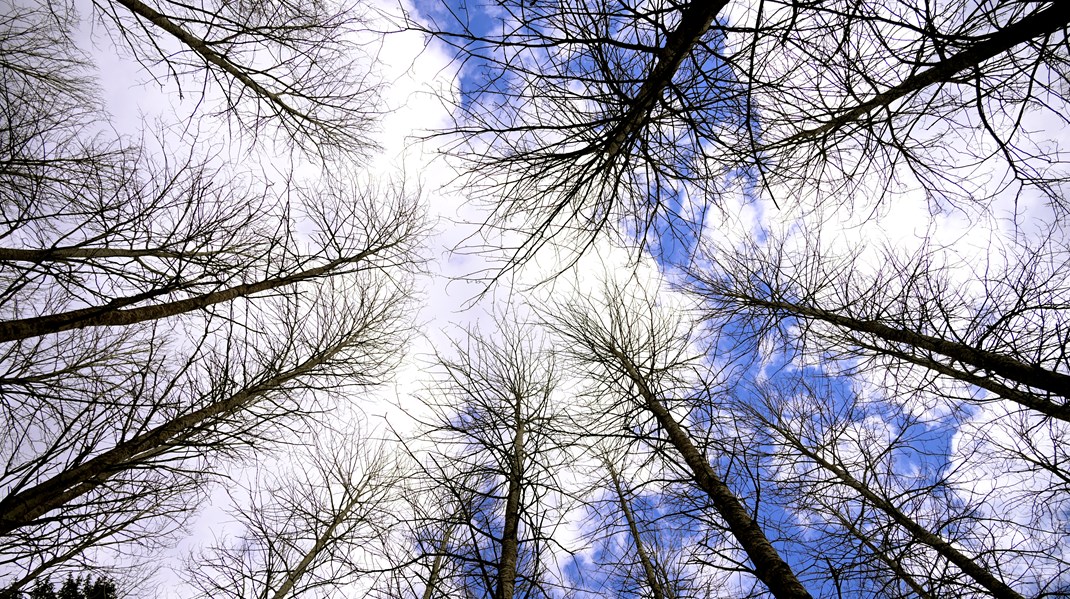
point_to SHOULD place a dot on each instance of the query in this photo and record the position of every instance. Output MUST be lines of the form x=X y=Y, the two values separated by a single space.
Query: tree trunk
x=1014 y=370
x=511 y=527
x=695 y=20
x=112 y=314
x=768 y=565
x=892 y=563
x=1043 y=23
x=294 y=574
x=649 y=571
x=25 y=507
x=63 y=254
x=436 y=565
x=942 y=547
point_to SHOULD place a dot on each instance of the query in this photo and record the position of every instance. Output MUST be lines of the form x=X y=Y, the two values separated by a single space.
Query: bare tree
x=316 y=526
x=848 y=471
x=645 y=562
x=497 y=442
x=290 y=71
x=875 y=503
x=997 y=328
x=440 y=544
x=429 y=561
x=655 y=579
x=582 y=118
x=973 y=350
x=633 y=351
x=163 y=309
x=632 y=118
x=142 y=462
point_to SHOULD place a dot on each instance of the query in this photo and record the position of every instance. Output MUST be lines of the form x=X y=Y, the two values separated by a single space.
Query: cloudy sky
x=420 y=83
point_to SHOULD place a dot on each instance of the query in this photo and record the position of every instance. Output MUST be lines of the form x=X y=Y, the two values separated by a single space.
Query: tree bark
x=511 y=528
x=24 y=507
x=113 y=314
x=436 y=565
x=63 y=254
x=942 y=547
x=1043 y=23
x=209 y=55
x=768 y=565
x=649 y=571
x=695 y=20
x=294 y=574
x=889 y=561
x=1029 y=375
x=1022 y=398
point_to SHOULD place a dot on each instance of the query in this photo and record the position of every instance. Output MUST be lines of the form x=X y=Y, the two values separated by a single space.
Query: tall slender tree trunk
x=26 y=506
x=1029 y=375
x=769 y=567
x=893 y=564
x=115 y=312
x=1043 y=23
x=511 y=528
x=64 y=254
x=436 y=564
x=321 y=543
x=652 y=579
x=695 y=20
x=941 y=546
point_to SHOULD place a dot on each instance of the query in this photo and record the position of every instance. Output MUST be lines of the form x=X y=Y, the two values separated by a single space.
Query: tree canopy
x=761 y=299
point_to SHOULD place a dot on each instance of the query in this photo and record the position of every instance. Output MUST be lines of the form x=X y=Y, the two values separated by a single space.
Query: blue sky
x=671 y=240
x=928 y=442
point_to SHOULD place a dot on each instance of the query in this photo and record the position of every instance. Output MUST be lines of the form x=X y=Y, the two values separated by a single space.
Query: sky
x=948 y=442
x=416 y=75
